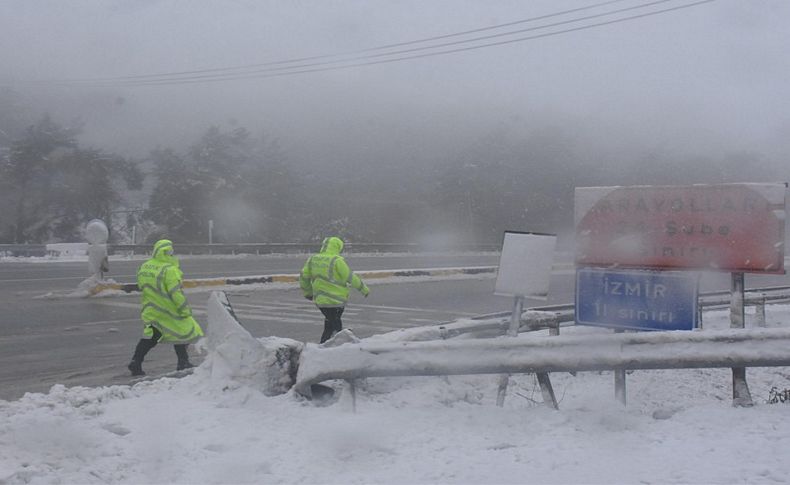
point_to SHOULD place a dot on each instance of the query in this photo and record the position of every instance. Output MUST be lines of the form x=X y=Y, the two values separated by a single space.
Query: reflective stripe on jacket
x=326 y=276
x=164 y=304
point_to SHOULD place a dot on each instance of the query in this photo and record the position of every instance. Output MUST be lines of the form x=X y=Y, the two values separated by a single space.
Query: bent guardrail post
x=268 y=364
x=565 y=353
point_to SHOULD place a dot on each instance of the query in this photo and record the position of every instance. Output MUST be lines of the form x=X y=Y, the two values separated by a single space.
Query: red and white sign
x=729 y=227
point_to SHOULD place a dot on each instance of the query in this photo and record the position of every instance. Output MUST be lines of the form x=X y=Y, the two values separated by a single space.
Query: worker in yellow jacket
x=166 y=314
x=325 y=279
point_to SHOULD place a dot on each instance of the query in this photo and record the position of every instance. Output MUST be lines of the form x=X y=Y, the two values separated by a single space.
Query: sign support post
x=525 y=272
x=546 y=390
x=549 y=399
x=738 y=228
x=619 y=380
x=515 y=318
x=740 y=389
x=512 y=331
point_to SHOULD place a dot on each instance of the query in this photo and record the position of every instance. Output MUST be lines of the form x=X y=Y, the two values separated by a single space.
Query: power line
x=325 y=66
x=397 y=52
x=349 y=53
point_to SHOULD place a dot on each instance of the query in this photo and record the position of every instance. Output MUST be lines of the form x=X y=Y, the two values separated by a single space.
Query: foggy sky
x=698 y=81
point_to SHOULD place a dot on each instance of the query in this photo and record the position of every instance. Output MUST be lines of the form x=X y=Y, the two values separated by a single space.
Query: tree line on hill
x=242 y=188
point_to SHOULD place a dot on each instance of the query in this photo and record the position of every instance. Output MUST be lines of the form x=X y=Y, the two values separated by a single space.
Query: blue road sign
x=636 y=299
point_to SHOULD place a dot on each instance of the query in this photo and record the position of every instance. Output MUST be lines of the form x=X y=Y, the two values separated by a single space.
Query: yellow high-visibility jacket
x=325 y=277
x=164 y=305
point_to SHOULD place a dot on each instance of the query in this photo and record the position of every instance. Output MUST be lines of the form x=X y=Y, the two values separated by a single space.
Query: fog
x=702 y=82
x=696 y=79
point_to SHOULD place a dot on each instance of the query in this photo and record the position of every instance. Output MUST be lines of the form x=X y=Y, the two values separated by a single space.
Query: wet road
x=45 y=340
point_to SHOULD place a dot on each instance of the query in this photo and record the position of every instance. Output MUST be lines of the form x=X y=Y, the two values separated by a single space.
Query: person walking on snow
x=166 y=314
x=325 y=279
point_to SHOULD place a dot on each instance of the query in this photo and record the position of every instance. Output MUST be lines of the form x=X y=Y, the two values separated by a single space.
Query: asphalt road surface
x=47 y=340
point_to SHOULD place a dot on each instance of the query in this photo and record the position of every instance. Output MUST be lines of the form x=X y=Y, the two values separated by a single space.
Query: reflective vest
x=164 y=305
x=326 y=276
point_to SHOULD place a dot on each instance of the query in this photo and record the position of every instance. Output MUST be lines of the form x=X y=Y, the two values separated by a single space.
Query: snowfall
x=222 y=424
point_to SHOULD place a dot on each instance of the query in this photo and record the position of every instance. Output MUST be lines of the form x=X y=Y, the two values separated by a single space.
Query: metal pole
x=353 y=388
x=502 y=389
x=760 y=312
x=549 y=399
x=619 y=382
x=515 y=317
x=512 y=331
x=740 y=389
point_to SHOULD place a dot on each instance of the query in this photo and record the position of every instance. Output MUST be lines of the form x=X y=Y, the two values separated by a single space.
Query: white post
x=210 y=231
x=96 y=233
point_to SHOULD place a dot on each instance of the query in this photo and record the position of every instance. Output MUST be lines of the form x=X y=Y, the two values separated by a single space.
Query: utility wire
x=353 y=52
x=402 y=51
x=324 y=66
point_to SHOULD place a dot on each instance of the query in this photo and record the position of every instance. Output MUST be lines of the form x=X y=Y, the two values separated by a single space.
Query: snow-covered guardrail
x=259 y=248
x=566 y=353
x=431 y=351
x=23 y=250
x=269 y=248
x=554 y=316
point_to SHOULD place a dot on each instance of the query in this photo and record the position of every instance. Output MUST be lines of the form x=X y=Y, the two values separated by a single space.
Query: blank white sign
x=525 y=265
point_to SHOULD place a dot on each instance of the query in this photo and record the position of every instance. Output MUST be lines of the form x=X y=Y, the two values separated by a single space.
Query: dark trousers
x=146 y=344
x=332 y=322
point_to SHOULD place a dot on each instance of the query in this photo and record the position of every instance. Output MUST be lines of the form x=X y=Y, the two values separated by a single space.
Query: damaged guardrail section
x=655 y=350
x=276 y=365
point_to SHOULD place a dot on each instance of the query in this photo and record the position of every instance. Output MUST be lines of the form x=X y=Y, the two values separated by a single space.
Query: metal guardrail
x=24 y=250
x=427 y=351
x=565 y=313
x=299 y=248
x=618 y=352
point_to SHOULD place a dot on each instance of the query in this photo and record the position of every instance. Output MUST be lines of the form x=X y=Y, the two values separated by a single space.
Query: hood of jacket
x=332 y=245
x=163 y=251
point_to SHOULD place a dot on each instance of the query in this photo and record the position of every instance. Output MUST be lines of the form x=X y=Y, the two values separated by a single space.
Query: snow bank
x=678 y=427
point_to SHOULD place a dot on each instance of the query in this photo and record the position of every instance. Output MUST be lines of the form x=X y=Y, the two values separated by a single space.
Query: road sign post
x=736 y=228
x=636 y=300
x=525 y=272
x=740 y=388
x=619 y=382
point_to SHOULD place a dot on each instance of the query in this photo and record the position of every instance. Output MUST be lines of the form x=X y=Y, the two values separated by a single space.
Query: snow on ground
x=678 y=427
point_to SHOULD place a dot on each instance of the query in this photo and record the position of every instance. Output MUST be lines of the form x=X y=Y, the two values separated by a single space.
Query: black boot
x=136 y=367
x=183 y=357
